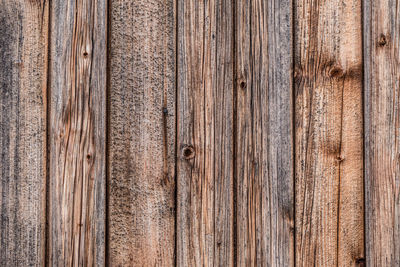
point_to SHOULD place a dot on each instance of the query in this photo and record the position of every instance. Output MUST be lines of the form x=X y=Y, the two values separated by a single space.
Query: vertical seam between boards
x=293 y=152
x=234 y=129
x=363 y=101
x=176 y=31
x=47 y=143
x=107 y=132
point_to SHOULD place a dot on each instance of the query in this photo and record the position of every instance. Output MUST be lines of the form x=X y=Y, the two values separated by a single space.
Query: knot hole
x=188 y=152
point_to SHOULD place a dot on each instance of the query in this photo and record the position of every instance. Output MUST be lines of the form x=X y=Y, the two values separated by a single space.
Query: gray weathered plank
x=382 y=118
x=23 y=74
x=264 y=153
x=329 y=146
x=205 y=128
x=77 y=133
x=142 y=133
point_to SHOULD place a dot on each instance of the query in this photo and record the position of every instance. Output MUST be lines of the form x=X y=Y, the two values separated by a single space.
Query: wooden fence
x=200 y=132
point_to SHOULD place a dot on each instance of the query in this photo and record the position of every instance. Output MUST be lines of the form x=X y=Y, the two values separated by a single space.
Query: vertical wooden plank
x=205 y=128
x=265 y=169
x=382 y=118
x=329 y=152
x=142 y=133
x=77 y=133
x=23 y=76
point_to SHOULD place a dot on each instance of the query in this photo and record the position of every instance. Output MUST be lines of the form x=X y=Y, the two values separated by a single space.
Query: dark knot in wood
x=360 y=262
x=382 y=40
x=243 y=85
x=188 y=152
x=336 y=72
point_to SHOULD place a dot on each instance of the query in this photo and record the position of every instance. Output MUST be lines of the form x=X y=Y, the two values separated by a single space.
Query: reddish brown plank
x=77 y=133
x=205 y=133
x=329 y=136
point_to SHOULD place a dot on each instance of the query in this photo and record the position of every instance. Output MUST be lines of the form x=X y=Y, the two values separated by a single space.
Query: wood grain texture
x=329 y=146
x=142 y=133
x=77 y=133
x=264 y=153
x=205 y=133
x=382 y=119
x=23 y=74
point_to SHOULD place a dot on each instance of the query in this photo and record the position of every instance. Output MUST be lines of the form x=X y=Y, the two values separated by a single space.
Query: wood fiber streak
x=329 y=137
x=205 y=133
x=382 y=137
x=23 y=76
x=142 y=133
x=264 y=153
x=77 y=133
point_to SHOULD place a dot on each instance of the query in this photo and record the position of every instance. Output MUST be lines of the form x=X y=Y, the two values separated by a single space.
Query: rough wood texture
x=77 y=133
x=382 y=118
x=329 y=146
x=142 y=133
x=264 y=153
x=23 y=73
x=205 y=128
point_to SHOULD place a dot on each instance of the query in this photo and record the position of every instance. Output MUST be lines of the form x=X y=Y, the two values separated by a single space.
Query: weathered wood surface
x=205 y=133
x=264 y=152
x=23 y=78
x=77 y=133
x=329 y=138
x=382 y=118
x=256 y=105
x=142 y=133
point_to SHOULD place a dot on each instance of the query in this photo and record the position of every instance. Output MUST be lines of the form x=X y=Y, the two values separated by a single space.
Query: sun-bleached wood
x=142 y=133
x=264 y=119
x=382 y=118
x=23 y=78
x=77 y=133
x=329 y=133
